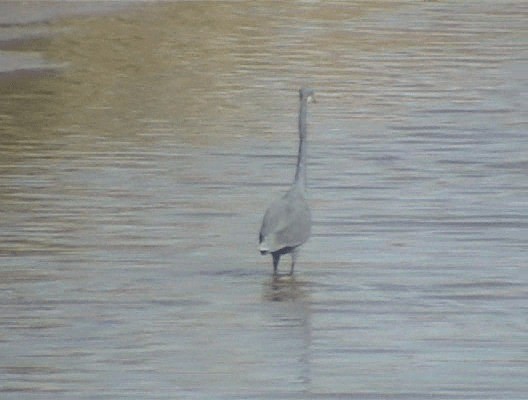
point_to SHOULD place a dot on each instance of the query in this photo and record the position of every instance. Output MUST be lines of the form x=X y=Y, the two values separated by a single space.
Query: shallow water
x=138 y=156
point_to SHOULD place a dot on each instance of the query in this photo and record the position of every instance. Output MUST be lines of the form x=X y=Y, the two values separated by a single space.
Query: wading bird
x=287 y=222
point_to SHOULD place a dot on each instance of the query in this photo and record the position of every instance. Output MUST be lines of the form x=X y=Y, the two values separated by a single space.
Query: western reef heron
x=287 y=222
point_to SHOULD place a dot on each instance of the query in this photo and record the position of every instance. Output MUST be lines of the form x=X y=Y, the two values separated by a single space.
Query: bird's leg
x=293 y=259
x=276 y=258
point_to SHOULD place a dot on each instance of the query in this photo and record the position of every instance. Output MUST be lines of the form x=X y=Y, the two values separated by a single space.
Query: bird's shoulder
x=285 y=210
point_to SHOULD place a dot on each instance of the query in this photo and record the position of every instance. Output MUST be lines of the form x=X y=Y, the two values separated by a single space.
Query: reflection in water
x=289 y=306
x=284 y=288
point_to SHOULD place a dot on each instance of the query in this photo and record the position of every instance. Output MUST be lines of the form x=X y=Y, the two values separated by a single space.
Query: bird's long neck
x=300 y=173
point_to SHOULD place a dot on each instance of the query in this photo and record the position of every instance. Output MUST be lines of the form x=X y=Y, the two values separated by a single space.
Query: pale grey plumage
x=287 y=222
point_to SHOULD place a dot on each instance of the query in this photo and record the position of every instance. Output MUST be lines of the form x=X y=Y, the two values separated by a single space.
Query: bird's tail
x=263 y=246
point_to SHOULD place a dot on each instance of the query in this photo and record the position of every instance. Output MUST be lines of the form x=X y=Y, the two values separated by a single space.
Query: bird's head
x=307 y=94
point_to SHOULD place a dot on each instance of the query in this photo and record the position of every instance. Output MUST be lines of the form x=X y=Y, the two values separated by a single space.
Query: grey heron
x=287 y=222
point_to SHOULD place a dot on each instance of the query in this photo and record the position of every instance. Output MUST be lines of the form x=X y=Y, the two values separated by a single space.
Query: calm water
x=141 y=148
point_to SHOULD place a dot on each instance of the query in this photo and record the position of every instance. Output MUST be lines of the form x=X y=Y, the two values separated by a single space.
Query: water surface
x=138 y=156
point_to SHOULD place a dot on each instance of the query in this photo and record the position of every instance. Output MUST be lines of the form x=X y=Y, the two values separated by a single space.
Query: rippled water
x=137 y=158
